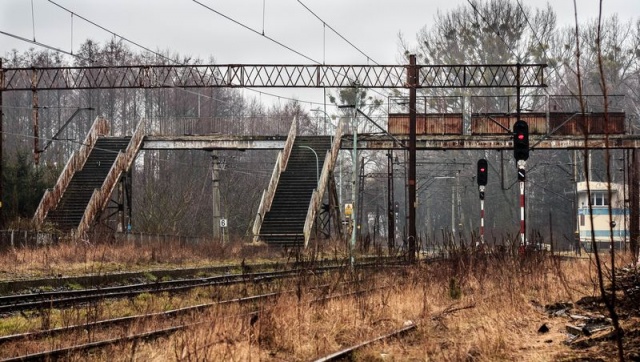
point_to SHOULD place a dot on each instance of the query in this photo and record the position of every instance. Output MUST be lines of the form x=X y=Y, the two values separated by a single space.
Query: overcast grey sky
x=188 y=28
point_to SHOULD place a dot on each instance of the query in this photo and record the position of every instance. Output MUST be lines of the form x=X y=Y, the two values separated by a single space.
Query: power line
x=266 y=37
x=111 y=32
x=274 y=40
x=337 y=33
x=256 y=32
x=45 y=46
x=134 y=43
x=324 y=23
x=152 y=52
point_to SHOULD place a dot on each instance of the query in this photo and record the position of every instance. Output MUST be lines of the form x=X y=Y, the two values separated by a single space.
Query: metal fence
x=25 y=239
x=144 y=239
x=10 y=239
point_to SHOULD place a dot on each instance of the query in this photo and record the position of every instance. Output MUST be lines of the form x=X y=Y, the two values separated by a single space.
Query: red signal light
x=482 y=172
x=521 y=140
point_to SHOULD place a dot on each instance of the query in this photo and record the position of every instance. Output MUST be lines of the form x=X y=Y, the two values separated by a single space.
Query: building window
x=599 y=198
x=582 y=220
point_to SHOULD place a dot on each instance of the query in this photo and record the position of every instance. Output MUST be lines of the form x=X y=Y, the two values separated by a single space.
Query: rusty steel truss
x=244 y=75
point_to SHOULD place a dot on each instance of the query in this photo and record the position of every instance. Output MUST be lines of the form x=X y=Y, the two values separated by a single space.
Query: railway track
x=57 y=353
x=107 y=323
x=18 y=286
x=60 y=299
x=68 y=298
x=346 y=352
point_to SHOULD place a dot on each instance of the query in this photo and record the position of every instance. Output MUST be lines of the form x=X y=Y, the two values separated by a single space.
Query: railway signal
x=521 y=154
x=482 y=172
x=521 y=179
x=521 y=140
x=482 y=183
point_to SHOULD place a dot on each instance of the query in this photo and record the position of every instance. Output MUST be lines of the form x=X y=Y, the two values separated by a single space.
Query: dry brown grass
x=70 y=259
x=484 y=313
x=466 y=308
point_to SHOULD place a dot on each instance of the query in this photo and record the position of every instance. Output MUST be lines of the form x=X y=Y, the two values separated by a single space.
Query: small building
x=610 y=215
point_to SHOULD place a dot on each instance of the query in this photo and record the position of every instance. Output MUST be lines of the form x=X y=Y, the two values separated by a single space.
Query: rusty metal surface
x=323 y=181
x=572 y=123
x=496 y=123
x=100 y=197
x=51 y=197
x=285 y=75
x=431 y=124
x=443 y=123
x=497 y=142
x=269 y=193
x=502 y=123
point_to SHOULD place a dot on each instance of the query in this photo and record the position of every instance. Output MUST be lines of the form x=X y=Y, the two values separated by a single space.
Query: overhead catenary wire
x=112 y=32
x=270 y=38
x=337 y=33
x=72 y=13
x=160 y=55
x=255 y=31
x=326 y=25
x=44 y=46
x=33 y=21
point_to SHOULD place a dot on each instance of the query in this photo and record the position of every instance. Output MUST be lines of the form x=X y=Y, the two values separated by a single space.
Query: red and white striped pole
x=481 y=214
x=521 y=179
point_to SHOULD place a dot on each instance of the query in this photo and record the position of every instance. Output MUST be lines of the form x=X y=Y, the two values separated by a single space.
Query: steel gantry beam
x=281 y=76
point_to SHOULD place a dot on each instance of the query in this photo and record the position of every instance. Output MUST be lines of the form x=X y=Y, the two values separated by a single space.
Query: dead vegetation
x=472 y=307
x=486 y=313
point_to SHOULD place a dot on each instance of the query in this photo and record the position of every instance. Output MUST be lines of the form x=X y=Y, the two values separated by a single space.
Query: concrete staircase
x=75 y=200
x=283 y=224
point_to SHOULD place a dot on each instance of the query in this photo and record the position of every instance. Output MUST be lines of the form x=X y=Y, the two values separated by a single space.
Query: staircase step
x=283 y=224
x=74 y=201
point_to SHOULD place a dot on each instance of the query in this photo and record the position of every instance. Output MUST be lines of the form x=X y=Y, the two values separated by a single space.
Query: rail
x=318 y=193
x=342 y=354
x=100 y=197
x=269 y=193
x=51 y=197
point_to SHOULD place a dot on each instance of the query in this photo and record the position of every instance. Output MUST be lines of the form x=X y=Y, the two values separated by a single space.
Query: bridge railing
x=269 y=193
x=238 y=126
x=100 y=197
x=323 y=181
x=51 y=197
x=233 y=125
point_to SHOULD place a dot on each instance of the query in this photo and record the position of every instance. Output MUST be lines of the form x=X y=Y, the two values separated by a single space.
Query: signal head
x=521 y=140
x=482 y=172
